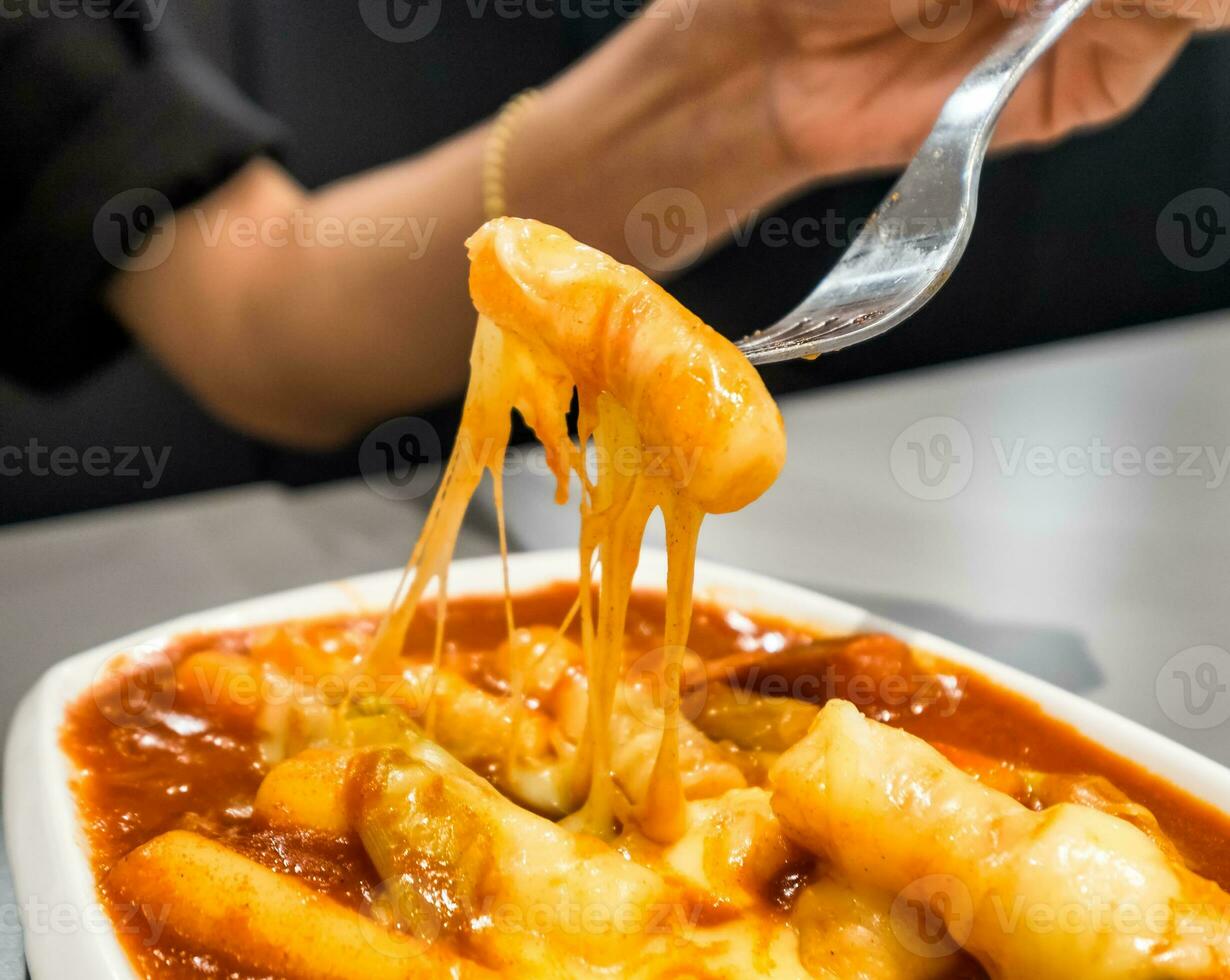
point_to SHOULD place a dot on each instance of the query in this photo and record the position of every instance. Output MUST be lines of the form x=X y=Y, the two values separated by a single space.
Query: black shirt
x=105 y=117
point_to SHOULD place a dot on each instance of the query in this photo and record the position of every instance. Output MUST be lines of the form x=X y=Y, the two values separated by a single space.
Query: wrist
x=641 y=117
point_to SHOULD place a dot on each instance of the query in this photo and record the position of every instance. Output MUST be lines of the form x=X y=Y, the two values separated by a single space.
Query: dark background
x=1066 y=241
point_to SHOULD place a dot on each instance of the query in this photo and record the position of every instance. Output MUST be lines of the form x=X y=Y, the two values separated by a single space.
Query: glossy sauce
x=180 y=770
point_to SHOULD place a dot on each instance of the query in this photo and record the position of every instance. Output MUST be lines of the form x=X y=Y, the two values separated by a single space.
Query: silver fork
x=915 y=238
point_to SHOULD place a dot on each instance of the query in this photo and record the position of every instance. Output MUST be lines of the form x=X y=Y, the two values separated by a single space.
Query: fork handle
x=977 y=102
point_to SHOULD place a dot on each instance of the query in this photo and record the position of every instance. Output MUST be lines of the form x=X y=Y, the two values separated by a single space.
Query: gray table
x=1096 y=580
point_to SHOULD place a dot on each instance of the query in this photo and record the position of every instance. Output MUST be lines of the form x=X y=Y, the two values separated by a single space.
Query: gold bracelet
x=495 y=152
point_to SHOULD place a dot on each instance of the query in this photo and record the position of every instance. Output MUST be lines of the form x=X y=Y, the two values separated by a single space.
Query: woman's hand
x=711 y=109
x=856 y=85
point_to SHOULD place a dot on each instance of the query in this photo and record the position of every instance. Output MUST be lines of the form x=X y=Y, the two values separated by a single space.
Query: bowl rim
x=46 y=844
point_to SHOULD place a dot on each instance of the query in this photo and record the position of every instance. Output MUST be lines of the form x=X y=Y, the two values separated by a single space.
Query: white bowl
x=68 y=935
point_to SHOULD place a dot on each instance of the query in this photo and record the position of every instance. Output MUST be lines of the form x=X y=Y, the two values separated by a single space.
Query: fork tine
x=785 y=327
x=789 y=339
x=803 y=330
x=844 y=331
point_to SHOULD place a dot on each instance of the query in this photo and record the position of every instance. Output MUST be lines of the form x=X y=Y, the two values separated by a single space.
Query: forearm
x=301 y=317
x=308 y=335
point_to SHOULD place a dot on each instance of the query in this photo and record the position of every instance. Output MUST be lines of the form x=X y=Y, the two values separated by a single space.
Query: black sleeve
x=105 y=123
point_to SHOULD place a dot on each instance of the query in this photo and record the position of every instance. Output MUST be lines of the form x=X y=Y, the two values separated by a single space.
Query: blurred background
x=1066 y=242
x=918 y=497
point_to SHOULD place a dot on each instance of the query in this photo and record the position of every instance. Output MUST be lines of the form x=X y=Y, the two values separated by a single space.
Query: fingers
x=1099 y=71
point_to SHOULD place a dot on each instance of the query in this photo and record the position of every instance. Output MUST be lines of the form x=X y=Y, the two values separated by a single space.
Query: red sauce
x=197 y=771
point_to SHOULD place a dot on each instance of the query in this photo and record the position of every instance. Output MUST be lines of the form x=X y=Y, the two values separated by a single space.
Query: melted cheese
x=680 y=422
x=1067 y=892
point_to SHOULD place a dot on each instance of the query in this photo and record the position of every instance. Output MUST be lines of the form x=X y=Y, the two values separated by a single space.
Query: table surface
x=1061 y=508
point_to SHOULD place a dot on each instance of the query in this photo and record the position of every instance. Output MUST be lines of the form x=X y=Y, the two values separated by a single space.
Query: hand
x=853 y=85
x=744 y=102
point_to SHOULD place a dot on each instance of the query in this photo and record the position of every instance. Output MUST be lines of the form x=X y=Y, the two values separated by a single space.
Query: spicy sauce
x=179 y=769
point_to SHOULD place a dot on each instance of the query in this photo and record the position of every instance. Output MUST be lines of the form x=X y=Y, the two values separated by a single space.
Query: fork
x=915 y=238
